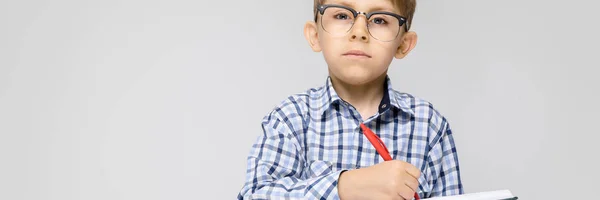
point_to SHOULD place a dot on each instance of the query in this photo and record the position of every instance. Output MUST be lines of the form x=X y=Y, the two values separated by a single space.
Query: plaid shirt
x=310 y=138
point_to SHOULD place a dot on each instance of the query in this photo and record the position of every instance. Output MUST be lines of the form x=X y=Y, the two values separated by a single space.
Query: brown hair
x=406 y=7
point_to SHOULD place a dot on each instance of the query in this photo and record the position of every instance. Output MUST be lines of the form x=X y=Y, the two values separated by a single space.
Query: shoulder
x=293 y=111
x=423 y=111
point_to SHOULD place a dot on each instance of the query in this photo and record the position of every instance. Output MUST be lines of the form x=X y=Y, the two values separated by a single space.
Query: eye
x=379 y=21
x=342 y=16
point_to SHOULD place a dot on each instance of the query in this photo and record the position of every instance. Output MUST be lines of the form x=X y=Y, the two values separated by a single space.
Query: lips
x=357 y=53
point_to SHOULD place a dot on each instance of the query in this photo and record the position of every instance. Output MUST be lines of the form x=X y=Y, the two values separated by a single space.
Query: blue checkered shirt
x=310 y=138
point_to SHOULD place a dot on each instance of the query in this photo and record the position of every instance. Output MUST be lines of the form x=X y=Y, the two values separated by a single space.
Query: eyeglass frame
x=402 y=20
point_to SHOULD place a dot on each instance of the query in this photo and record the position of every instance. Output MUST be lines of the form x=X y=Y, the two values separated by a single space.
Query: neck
x=364 y=97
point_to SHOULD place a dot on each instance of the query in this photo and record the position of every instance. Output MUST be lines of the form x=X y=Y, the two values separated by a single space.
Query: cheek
x=329 y=43
x=385 y=52
x=332 y=48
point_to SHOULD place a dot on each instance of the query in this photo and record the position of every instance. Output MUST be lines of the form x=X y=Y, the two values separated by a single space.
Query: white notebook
x=491 y=195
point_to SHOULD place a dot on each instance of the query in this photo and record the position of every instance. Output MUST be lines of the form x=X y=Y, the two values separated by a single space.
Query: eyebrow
x=383 y=9
x=373 y=9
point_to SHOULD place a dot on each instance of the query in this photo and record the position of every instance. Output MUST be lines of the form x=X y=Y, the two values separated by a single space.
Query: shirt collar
x=329 y=98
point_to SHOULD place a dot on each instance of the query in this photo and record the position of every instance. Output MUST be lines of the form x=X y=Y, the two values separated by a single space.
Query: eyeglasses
x=338 y=20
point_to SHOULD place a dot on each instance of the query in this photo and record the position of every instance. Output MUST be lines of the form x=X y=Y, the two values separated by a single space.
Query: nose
x=359 y=29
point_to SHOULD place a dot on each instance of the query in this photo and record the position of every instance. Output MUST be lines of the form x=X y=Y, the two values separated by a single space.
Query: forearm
x=263 y=185
x=448 y=181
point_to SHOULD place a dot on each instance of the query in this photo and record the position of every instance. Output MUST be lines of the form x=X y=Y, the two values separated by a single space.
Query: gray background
x=146 y=99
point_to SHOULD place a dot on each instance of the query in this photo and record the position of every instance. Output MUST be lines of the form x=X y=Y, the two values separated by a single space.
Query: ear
x=312 y=35
x=407 y=44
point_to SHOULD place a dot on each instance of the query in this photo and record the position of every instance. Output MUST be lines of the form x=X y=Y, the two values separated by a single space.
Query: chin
x=355 y=77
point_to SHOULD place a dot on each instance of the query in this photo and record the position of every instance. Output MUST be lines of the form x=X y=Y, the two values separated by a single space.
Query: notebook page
x=491 y=195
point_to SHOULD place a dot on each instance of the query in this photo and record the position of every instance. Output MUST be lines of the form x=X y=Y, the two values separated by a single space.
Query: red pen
x=379 y=146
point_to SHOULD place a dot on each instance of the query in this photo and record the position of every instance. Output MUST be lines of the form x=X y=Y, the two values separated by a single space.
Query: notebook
x=491 y=195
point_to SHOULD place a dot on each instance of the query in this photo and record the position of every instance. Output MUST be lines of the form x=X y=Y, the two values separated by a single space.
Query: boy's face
x=354 y=53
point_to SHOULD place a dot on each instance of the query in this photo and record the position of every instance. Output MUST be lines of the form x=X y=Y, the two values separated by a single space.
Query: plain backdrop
x=148 y=99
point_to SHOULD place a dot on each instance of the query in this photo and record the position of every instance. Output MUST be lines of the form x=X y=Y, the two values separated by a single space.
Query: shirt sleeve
x=444 y=157
x=275 y=168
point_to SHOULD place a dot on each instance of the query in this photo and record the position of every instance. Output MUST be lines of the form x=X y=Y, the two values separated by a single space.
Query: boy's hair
x=406 y=7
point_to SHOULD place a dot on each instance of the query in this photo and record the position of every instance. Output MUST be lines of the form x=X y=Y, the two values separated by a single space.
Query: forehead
x=366 y=5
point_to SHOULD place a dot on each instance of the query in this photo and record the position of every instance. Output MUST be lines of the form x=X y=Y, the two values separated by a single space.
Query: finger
x=399 y=197
x=412 y=184
x=413 y=171
x=405 y=192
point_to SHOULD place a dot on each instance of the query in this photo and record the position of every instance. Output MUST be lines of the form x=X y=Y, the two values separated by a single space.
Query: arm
x=275 y=167
x=444 y=158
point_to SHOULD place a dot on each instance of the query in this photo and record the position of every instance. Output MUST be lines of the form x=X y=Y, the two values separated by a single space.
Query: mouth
x=357 y=53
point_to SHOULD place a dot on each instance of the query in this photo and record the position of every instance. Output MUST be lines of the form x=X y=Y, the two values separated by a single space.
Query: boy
x=313 y=145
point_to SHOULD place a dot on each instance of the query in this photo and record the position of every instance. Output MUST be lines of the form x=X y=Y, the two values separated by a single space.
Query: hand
x=387 y=180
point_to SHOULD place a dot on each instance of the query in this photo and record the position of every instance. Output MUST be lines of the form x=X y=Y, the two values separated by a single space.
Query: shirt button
x=384 y=105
